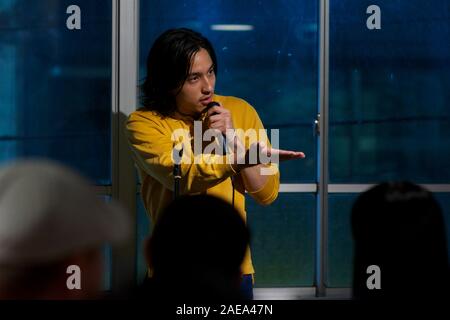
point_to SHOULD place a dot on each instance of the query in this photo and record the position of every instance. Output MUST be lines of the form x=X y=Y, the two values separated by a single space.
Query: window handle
x=317 y=126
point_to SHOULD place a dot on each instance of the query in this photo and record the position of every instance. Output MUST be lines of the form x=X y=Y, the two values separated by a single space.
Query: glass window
x=283 y=240
x=55 y=84
x=271 y=63
x=143 y=225
x=444 y=202
x=107 y=275
x=340 y=239
x=389 y=114
x=107 y=258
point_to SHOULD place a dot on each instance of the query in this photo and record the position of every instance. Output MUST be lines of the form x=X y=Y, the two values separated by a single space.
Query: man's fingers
x=283 y=154
x=215 y=109
x=215 y=118
x=292 y=154
x=295 y=154
x=265 y=152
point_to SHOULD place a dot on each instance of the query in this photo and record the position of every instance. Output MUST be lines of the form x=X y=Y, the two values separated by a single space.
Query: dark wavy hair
x=168 y=66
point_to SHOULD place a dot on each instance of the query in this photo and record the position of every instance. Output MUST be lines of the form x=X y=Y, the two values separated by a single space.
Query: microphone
x=209 y=106
x=177 y=156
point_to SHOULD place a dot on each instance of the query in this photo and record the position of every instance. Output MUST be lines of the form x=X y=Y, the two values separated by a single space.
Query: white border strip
x=305 y=293
x=348 y=188
x=358 y=188
x=437 y=187
x=308 y=188
x=293 y=187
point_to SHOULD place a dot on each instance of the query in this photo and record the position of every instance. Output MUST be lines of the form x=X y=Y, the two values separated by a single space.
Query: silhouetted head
x=51 y=224
x=198 y=245
x=399 y=227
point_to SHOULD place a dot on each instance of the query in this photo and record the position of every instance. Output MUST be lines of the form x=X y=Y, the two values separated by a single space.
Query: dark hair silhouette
x=399 y=227
x=168 y=66
x=197 y=247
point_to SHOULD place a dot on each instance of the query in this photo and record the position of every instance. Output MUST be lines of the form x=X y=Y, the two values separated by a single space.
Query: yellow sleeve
x=152 y=147
x=269 y=192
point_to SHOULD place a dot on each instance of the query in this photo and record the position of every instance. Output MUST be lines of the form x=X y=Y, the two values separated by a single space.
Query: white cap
x=48 y=211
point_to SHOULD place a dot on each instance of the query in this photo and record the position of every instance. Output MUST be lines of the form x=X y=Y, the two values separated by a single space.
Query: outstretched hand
x=260 y=153
x=283 y=155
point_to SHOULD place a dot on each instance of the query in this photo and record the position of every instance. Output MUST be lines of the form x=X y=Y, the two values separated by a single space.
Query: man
x=181 y=76
x=52 y=233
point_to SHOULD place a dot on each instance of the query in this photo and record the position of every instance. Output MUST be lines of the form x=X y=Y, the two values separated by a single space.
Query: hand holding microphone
x=218 y=117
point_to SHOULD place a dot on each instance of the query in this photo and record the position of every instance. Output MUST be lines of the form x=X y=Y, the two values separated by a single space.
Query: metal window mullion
x=322 y=212
x=298 y=188
x=348 y=188
x=359 y=188
x=124 y=101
